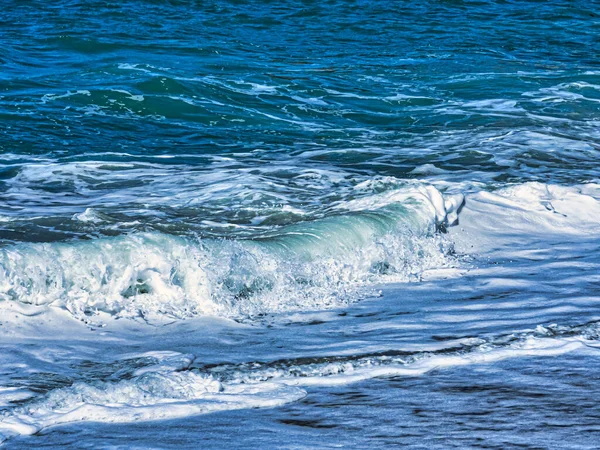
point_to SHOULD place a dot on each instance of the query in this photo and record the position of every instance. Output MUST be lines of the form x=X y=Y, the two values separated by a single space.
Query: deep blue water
x=275 y=90
x=257 y=193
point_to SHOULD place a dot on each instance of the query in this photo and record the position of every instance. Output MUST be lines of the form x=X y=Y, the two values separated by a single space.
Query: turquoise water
x=248 y=204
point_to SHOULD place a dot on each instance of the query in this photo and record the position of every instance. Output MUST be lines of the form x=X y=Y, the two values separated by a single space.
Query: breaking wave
x=390 y=236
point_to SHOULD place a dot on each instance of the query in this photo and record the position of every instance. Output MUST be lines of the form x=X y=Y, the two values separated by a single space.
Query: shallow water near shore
x=299 y=225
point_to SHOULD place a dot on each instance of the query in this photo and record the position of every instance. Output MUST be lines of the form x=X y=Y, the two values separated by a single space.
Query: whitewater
x=299 y=225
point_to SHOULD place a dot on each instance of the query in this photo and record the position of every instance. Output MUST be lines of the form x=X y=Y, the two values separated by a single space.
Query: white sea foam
x=135 y=97
x=50 y=97
x=164 y=391
x=529 y=211
x=89 y=215
x=428 y=169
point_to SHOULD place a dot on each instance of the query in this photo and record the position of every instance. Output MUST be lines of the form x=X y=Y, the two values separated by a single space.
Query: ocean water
x=299 y=224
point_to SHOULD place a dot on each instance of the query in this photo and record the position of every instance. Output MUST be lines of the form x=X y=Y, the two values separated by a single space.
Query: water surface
x=377 y=220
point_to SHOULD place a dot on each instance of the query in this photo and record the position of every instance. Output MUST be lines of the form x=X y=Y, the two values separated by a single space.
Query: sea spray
x=392 y=236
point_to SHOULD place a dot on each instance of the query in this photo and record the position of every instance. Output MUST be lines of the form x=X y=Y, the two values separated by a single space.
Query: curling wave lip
x=310 y=265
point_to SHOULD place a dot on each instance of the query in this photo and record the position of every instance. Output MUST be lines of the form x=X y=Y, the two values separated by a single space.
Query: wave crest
x=309 y=265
